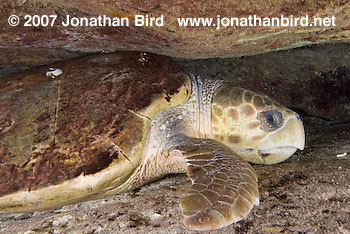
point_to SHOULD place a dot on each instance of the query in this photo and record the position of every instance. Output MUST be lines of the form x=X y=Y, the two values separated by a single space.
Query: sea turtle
x=104 y=124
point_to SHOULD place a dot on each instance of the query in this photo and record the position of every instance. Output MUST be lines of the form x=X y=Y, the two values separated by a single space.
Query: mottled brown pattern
x=233 y=114
x=234 y=139
x=256 y=138
x=221 y=96
x=67 y=126
x=248 y=96
x=217 y=111
x=258 y=102
x=253 y=125
x=236 y=96
x=247 y=110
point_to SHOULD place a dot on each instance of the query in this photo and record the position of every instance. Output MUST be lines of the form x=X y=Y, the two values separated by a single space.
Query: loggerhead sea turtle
x=110 y=123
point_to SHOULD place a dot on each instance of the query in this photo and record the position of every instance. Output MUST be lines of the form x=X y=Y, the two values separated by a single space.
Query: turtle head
x=254 y=125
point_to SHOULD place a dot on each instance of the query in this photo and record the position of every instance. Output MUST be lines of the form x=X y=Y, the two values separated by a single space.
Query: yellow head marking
x=246 y=110
x=234 y=139
x=233 y=114
x=256 y=126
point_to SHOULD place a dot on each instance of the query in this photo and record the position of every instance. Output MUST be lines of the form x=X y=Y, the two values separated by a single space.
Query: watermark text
x=149 y=21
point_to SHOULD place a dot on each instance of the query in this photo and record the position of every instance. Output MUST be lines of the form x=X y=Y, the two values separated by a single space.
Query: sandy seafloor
x=308 y=193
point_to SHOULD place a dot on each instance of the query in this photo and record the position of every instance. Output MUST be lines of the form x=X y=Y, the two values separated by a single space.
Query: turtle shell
x=93 y=119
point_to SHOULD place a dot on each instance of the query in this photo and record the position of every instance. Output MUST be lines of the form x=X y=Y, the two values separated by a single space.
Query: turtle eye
x=270 y=120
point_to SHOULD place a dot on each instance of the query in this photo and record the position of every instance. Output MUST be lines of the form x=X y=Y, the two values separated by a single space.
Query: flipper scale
x=224 y=186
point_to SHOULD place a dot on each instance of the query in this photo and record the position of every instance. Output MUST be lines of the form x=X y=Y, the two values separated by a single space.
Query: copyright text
x=146 y=20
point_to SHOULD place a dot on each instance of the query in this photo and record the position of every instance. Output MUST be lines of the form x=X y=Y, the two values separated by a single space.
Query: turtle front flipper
x=224 y=186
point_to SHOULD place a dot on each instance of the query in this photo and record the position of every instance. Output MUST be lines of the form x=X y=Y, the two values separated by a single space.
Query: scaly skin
x=237 y=122
x=211 y=136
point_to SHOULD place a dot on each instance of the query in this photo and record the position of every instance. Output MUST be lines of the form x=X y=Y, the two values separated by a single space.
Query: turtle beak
x=281 y=144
